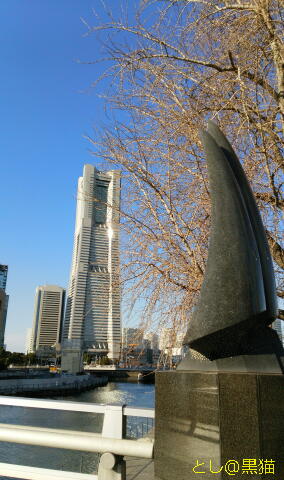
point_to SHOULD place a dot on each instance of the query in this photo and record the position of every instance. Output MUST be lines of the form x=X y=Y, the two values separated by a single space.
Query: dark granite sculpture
x=228 y=403
x=238 y=298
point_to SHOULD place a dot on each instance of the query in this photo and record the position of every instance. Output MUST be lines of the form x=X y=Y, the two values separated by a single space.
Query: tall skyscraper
x=3 y=276
x=92 y=318
x=48 y=316
x=4 y=299
x=3 y=315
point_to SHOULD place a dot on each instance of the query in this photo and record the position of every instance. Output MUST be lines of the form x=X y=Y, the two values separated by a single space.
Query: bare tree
x=173 y=66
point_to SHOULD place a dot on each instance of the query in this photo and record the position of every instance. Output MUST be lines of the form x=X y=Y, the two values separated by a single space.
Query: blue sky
x=46 y=108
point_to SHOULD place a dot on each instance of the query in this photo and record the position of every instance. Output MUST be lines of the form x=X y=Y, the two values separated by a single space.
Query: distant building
x=171 y=346
x=132 y=337
x=178 y=349
x=166 y=339
x=48 y=317
x=170 y=339
x=152 y=339
x=277 y=325
x=4 y=300
x=92 y=318
x=3 y=276
x=136 y=350
x=29 y=341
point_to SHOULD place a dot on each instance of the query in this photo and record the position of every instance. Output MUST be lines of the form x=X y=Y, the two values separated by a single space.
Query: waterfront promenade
x=53 y=385
x=139 y=469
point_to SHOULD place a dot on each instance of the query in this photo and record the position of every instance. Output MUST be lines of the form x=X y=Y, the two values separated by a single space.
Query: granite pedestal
x=208 y=418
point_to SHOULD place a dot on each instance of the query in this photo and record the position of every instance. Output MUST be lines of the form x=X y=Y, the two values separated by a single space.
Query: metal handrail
x=110 y=442
x=139 y=412
x=74 y=440
x=73 y=406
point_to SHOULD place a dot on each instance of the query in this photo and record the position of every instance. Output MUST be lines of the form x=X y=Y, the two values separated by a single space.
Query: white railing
x=110 y=442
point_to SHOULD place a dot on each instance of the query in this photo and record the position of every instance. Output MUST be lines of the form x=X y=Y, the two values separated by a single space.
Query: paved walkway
x=139 y=469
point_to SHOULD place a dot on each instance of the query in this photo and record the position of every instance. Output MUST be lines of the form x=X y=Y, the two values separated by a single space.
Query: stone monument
x=221 y=413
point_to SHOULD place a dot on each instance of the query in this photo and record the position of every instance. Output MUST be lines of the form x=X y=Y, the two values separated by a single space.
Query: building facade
x=3 y=315
x=4 y=300
x=3 y=276
x=29 y=340
x=132 y=337
x=277 y=325
x=48 y=317
x=92 y=317
x=152 y=339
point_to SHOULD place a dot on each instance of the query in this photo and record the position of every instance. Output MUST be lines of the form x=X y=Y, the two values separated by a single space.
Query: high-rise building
x=29 y=340
x=3 y=276
x=4 y=299
x=92 y=317
x=3 y=315
x=48 y=317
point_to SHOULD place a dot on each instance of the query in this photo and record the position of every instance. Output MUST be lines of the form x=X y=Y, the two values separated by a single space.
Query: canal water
x=130 y=393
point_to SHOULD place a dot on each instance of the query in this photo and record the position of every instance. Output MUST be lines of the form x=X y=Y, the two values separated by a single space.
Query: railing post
x=112 y=467
x=114 y=424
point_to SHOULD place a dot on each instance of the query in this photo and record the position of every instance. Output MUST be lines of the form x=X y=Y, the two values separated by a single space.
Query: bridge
x=144 y=374
x=106 y=368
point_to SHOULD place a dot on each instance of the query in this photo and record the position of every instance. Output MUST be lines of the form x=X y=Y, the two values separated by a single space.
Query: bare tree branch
x=194 y=60
x=276 y=250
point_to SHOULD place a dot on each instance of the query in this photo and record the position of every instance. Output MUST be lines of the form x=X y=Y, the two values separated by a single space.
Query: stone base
x=269 y=363
x=72 y=361
x=214 y=417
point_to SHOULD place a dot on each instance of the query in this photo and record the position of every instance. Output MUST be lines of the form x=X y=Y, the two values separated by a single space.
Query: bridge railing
x=111 y=442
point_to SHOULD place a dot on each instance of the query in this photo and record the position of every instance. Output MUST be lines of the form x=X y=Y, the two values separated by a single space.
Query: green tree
x=30 y=359
x=87 y=357
x=17 y=358
x=105 y=361
x=4 y=355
